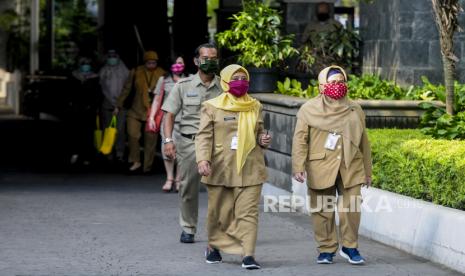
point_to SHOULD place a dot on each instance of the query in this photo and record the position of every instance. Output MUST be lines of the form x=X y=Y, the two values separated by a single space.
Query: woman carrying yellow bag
x=109 y=137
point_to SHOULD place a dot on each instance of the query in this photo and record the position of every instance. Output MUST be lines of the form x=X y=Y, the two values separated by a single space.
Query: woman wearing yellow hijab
x=231 y=160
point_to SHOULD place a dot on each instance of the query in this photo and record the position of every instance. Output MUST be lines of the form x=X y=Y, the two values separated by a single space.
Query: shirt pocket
x=192 y=101
x=358 y=155
x=316 y=156
x=192 y=105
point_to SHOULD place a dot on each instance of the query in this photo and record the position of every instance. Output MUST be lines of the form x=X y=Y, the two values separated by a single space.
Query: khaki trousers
x=232 y=219
x=135 y=129
x=324 y=221
x=189 y=186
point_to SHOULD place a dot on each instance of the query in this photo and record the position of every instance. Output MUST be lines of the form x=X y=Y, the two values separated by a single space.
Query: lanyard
x=147 y=80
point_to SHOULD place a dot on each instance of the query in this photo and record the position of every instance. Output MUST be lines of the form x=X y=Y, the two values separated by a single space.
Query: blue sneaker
x=325 y=258
x=352 y=255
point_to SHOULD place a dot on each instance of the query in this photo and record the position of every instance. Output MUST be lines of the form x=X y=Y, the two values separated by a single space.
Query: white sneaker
x=74 y=159
x=135 y=166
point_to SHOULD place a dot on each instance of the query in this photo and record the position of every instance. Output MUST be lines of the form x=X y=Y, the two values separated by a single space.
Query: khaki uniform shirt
x=186 y=98
x=323 y=165
x=213 y=144
x=138 y=108
x=316 y=27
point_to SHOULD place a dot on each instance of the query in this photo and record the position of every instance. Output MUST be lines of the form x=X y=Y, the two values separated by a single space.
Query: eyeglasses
x=239 y=78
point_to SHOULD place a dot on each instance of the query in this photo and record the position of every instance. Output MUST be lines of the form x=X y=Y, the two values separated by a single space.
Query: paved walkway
x=110 y=224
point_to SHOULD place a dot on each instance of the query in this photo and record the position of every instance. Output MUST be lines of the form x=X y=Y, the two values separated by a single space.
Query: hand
x=264 y=140
x=368 y=182
x=115 y=111
x=204 y=168
x=170 y=150
x=152 y=123
x=300 y=177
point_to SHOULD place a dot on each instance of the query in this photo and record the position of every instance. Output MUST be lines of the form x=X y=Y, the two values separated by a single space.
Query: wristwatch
x=168 y=140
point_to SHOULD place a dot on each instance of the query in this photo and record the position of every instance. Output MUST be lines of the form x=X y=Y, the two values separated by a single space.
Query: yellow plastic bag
x=97 y=134
x=109 y=137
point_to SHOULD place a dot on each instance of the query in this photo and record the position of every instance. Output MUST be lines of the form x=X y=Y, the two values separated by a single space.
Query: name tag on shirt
x=230 y=118
x=234 y=142
x=331 y=141
x=192 y=94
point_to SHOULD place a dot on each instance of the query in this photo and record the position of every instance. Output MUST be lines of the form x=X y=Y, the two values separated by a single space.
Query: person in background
x=185 y=99
x=137 y=95
x=113 y=75
x=167 y=83
x=324 y=24
x=331 y=151
x=231 y=160
x=84 y=101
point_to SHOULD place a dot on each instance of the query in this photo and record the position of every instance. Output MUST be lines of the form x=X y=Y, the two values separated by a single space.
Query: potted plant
x=339 y=46
x=256 y=36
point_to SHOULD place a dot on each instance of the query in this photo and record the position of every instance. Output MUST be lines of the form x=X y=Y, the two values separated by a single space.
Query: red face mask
x=335 y=90
x=238 y=88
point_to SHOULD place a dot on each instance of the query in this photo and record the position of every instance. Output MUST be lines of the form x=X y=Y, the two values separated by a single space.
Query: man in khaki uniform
x=331 y=147
x=324 y=24
x=186 y=98
x=141 y=82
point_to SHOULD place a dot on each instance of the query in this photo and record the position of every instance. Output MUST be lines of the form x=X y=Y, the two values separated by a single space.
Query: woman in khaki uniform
x=332 y=152
x=144 y=79
x=231 y=160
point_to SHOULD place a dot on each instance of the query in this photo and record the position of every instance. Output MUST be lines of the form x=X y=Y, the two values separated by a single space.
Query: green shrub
x=294 y=88
x=436 y=122
x=256 y=36
x=409 y=163
x=372 y=87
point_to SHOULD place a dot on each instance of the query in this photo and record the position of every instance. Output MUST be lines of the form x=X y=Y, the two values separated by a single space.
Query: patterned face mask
x=335 y=90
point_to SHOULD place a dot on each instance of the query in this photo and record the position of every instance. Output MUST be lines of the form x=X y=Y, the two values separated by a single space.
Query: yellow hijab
x=248 y=109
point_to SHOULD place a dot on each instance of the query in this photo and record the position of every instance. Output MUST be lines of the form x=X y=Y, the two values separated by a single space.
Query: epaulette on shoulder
x=187 y=79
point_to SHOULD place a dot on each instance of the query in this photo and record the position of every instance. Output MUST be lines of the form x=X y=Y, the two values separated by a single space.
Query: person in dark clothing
x=85 y=97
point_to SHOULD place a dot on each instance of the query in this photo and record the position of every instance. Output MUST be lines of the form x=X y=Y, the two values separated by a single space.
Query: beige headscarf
x=339 y=116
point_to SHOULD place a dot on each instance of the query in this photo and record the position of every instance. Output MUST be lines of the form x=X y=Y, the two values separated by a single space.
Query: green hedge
x=410 y=163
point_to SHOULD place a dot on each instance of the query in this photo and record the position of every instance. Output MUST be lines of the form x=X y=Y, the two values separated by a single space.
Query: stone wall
x=400 y=41
x=280 y=110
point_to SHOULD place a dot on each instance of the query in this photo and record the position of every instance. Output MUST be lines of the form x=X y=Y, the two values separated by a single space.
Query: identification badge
x=331 y=141
x=234 y=142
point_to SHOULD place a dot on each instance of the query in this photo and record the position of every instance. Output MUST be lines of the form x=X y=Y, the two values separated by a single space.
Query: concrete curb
x=418 y=227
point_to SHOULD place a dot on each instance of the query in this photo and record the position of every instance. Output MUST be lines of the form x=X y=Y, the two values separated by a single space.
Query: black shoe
x=187 y=238
x=249 y=263
x=213 y=256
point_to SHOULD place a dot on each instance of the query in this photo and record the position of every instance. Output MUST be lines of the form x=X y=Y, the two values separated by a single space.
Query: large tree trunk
x=449 y=77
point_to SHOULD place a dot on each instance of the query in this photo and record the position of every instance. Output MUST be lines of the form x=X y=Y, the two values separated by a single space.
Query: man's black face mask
x=322 y=16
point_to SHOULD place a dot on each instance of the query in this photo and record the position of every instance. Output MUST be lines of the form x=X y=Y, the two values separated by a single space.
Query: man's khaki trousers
x=190 y=184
